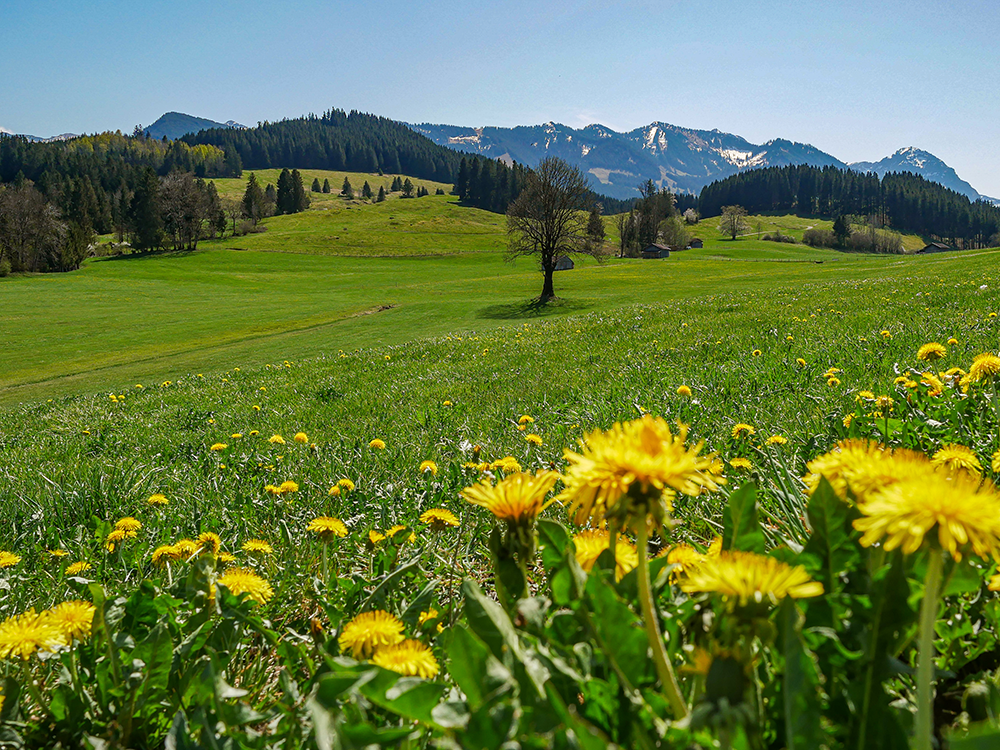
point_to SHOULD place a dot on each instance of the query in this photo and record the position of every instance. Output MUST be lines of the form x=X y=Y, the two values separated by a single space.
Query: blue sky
x=856 y=79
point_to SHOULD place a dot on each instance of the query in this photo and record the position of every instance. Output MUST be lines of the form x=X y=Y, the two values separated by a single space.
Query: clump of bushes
x=777 y=236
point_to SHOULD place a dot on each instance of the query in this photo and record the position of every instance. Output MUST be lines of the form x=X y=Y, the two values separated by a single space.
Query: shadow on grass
x=532 y=308
x=146 y=255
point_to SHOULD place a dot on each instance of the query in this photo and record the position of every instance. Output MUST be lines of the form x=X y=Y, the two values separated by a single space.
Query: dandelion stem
x=663 y=669
x=326 y=579
x=925 y=653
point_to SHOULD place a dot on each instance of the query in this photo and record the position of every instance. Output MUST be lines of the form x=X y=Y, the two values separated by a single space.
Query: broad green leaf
x=620 y=633
x=473 y=668
x=800 y=691
x=741 y=529
x=830 y=547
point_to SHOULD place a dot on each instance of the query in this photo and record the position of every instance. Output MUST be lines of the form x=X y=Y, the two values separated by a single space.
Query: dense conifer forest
x=903 y=201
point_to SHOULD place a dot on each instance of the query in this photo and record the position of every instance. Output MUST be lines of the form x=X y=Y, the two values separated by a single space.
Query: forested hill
x=903 y=201
x=353 y=142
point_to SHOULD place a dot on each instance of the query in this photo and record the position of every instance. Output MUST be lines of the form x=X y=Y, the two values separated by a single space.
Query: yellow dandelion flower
x=301 y=437
x=755 y=353
x=334 y=491
x=115 y=536
x=427 y=616
x=741 y=464
x=74 y=569
x=964 y=512
x=236 y=435
x=864 y=396
x=749 y=577
x=517 y=498
x=683 y=390
x=776 y=440
x=73 y=619
x=995 y=462
x=864 y=467
x=410 y=658
x=526 y=419
x=375 y=537
x=8 y=559
x=209 y=542
x=377 y=444
x=392 y=531
x=327 y=527
x=430 y=466
x=346 y=484
x=886 y=335
x=254 y=433
x=370 y=631
x=884 y=403
x=24 y=634
x=533 y=438
x=833 y=382
x=218 y=447
x=439 y=518
x=56 y=554
x=128 y=524
x=636 y=463
x=984 y=367
x=272 y=489
x=741 y=430
x=226 y=558
x=934 y=386
x=245 y=581
x=186 y=548
x=257 y=547
x=288 y=486
x=952 y=341
x=958 y=458
x=589 y=545
x=507 y=464
x=276 y=440
x=446 y=403
x=800 y=362
x=164 y=554
x=157 y=500
x=930 y=352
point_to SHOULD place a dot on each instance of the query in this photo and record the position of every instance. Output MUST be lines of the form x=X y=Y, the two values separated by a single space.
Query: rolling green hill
x=347 y=275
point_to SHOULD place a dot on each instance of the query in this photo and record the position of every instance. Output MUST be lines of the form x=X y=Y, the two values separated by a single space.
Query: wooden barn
x=696 y=242
x=656 y=251
x=564 y=263
x=935 y=247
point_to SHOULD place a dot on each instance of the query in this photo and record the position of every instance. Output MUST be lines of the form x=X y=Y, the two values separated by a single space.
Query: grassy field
x=267 y=395
x=348 y=276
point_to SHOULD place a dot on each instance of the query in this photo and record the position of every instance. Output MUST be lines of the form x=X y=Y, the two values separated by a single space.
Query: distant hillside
x=177 y=124
x=680 y=159
x=919 y=162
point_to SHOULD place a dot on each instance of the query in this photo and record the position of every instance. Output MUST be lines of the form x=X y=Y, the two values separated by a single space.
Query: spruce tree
x=397 y=184
x=407 y=188
x=285 y=203
x=326 y=186
x=300 y=199
x=366 y=191
x=347 y=191
x=595 y=226
x=146 y=224
x=270 y=200
x=381 y=194
x=253 y=200
x=316 y=187
x=462 y=183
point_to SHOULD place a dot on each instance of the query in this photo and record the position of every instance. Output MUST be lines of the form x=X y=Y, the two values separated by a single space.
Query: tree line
x=903 y=201
x=337 y=141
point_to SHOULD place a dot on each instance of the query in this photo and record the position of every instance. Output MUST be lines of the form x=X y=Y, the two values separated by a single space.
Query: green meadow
x=349 y=275
x=219 y=467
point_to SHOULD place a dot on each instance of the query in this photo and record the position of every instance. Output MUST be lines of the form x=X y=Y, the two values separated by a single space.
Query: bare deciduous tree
x=549 y=218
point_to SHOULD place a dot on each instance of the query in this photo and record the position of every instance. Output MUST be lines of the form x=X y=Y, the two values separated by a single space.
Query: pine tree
x=462 y=183
x=270 y=200
x=381 y=194
x=253 y=200
x=316 y=187
x=285 y=199
x=366 y=191
x=300 y=199
x=326 y=186
x=144 y=212
x=407 y=188
x=595 y=226
x=347 y=191
x=397 y=184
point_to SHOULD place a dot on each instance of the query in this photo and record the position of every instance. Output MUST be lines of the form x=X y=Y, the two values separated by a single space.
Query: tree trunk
x=547 y=290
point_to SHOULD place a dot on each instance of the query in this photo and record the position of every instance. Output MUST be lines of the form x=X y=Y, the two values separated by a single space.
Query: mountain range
x=680 y=159
x=173 y=125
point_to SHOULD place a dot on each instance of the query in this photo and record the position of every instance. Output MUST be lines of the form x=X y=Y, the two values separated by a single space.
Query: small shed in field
x=935 y=247
x=696 y=242
x=656 y=251
x=564 y=263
